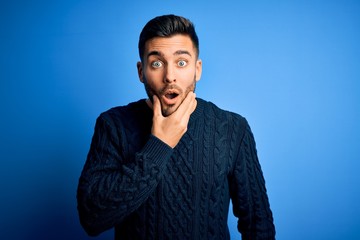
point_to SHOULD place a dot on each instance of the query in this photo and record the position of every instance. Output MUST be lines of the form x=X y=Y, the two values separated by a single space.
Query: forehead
x=170 y=45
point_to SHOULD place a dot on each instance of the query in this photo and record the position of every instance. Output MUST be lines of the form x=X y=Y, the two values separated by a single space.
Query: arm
x=111 y=187
x=248 y=192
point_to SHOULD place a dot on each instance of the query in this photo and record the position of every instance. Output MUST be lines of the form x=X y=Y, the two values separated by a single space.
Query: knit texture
x=146 y=190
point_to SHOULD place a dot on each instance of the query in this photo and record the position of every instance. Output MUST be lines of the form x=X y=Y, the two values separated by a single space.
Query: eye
x=182 y=63
x=156 y=64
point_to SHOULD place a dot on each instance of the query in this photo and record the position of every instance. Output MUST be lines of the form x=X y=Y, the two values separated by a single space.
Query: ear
x=198 y=69
x=140 y=71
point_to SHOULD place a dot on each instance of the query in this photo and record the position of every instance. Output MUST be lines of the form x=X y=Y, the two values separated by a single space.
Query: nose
x=170 y=74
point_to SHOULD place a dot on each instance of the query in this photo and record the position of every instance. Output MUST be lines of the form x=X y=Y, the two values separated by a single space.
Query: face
x=170 y=70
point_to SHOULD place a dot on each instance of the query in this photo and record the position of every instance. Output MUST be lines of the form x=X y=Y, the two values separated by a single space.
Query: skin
x=169 y=72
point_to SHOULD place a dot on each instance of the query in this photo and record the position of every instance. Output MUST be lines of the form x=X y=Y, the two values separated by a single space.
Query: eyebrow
x=178 y=52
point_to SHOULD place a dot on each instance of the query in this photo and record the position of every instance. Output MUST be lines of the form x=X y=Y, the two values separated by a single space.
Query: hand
x=170 y=129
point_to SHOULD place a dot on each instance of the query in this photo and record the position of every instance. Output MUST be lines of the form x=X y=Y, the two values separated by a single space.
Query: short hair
x=167 y=26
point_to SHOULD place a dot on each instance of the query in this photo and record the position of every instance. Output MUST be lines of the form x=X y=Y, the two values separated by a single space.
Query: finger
x=186 y=104
x=192 y=105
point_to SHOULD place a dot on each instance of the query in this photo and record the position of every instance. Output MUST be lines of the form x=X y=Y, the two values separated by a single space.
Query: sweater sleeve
x=111 y=187
x=248 y=192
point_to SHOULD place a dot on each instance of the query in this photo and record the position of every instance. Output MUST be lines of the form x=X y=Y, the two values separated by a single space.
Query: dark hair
x=167 y=26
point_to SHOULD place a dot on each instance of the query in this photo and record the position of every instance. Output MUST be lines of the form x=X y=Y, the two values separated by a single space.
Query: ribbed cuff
x=157 y=150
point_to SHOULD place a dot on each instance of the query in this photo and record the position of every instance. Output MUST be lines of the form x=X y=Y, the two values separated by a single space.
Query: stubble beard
x=167 y=110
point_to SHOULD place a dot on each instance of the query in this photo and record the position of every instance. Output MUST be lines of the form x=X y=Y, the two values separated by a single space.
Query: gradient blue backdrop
x=292 y=68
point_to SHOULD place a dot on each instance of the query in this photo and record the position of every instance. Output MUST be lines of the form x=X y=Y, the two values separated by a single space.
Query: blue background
x=292 y=68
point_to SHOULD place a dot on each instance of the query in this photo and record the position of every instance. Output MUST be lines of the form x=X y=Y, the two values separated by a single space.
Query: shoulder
x=212 y=110
x=132 y=109
x=134 y=112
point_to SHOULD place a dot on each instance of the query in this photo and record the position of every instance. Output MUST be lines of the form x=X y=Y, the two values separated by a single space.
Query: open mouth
x=171 y=95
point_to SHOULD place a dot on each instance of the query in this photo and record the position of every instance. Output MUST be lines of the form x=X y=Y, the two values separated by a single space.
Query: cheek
x=187 y=76
x=154 y=77
x=151 y=85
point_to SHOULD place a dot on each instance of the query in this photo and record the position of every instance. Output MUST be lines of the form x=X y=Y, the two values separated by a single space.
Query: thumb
x=156 y=106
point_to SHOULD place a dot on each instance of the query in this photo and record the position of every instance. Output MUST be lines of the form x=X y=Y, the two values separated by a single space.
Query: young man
x=166 y=167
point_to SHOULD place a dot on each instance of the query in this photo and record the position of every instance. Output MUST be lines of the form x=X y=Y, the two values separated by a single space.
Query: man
x=166 y=167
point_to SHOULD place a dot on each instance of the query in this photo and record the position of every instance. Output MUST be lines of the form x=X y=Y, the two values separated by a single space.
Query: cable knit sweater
x=134 y=182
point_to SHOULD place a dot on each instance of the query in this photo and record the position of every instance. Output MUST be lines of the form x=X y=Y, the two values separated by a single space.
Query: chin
x=168 y=110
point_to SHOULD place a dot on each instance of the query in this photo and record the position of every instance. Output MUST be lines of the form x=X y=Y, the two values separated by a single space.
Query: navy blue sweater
x=134 y=182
